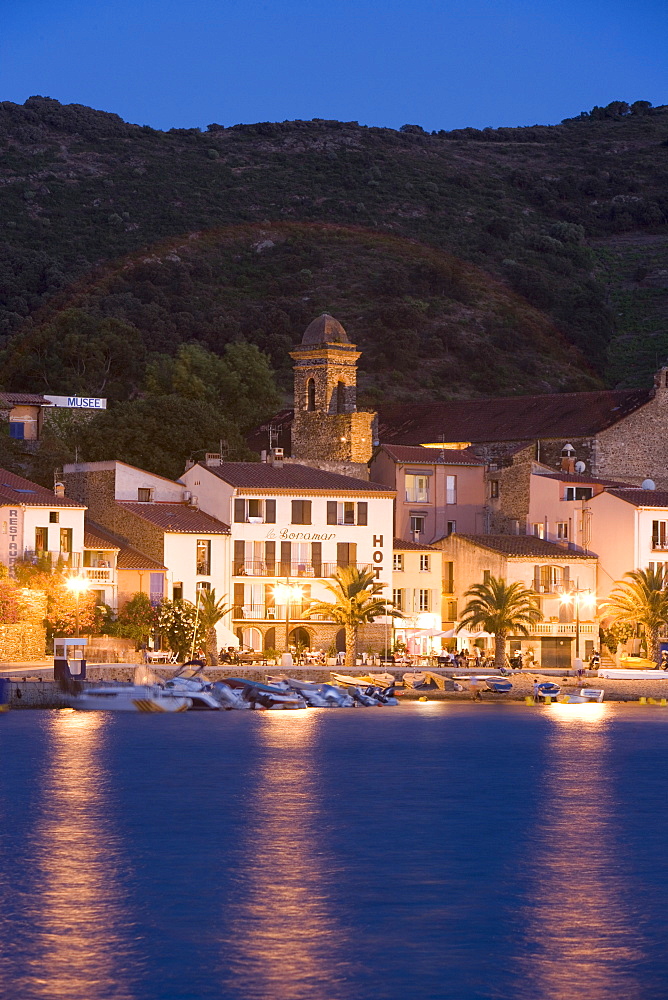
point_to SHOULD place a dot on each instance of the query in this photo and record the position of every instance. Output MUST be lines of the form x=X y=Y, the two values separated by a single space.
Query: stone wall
x=22 y=643
x=340 y=437
x=637 y=447
x=508 y=513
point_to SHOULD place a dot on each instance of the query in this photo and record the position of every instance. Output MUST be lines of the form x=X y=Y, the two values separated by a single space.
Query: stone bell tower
x=328 y=431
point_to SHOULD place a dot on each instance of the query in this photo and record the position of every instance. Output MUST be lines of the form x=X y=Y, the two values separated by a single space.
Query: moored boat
x=129 y=698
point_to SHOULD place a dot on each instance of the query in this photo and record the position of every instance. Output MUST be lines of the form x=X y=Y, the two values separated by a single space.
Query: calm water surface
x=427 y=852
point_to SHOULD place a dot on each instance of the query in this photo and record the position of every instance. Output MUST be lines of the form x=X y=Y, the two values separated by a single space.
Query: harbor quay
x=35 y=688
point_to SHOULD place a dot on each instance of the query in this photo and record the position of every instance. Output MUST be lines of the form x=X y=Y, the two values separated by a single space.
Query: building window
x=451 y=489
x=417 y=524
x=424 y=600
x=398 y=599
x=156 y=588
x=301 y=512
x=549 y=579
x=451 y=528
x=203 y=587
x=538 y=530
x=144 y=494
x=449 y=577
x=486 y=575
x=494 y=489
x=340 y=397
x=562 y=530
x=203 y=557
x=177 y=592
x=424 y=564
x=579 y=493
x=398 y=562
x=254 y=511
x=346 y=512
x=54 y=516
x=41 y=540
x=452 y=611
x=16 y=430
x=65 y=541
x=659 y=534
x=417 y=489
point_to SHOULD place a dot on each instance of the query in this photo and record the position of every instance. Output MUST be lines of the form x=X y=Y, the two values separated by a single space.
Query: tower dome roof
x=325 y=330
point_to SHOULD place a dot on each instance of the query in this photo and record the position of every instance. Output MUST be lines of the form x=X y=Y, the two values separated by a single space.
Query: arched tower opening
x=310 y=395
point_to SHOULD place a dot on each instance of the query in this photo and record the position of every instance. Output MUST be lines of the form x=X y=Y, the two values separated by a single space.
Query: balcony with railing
x=99 y=574
x=314 y=570
x=268 y=612
x=70 y=559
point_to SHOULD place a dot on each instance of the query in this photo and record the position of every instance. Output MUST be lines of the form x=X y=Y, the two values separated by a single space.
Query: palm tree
x=210 y=613
x=501 y=609
x=643 y=600
x=356 y=602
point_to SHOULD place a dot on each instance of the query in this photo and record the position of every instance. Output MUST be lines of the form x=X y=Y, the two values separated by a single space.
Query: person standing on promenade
x=579 y=669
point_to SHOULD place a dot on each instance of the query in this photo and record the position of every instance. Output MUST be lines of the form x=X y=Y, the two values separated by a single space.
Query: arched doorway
x=270 y=639
x=252 y=639
x=340 y=641
x=300 y=637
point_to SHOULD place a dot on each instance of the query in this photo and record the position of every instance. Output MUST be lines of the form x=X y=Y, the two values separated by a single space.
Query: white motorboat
x=586 y=696
x=189 y=682
x=129 y=698
x=315 y=695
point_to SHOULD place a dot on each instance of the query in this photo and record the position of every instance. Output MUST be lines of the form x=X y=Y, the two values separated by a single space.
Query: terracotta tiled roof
x=178 y=517
x=262 y=476
x=17 y=490
x=642 y=498
x=98 y=537
x=431 y=456
x=584 y=480
x=524 y=546
x=515 y=418
x=8 y=399
x=404 y=545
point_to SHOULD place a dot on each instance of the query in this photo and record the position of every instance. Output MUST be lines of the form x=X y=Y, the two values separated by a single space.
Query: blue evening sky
x=435 y=63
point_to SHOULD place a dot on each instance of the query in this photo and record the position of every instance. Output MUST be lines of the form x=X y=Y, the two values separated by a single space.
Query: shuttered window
x=362 y=512
x=239 y=510
x=270 y=511
x=239 y=556
x=286 y=558
x=332 y=512
x=301 y=511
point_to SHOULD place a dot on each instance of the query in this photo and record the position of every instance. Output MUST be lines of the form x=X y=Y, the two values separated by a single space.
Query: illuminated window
x=398 y=562
x=398 y=599
x=494 y=489
x=203 y=557
x=562 y=529
x=417 y=489
x=424 y=564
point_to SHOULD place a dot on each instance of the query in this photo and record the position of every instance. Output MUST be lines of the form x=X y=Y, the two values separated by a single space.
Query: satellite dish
x=648 y=484
x=580 y=467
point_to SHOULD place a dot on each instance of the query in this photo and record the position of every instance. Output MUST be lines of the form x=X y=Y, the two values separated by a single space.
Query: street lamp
x=578 y=596
x=78 y=585
x=288 y=592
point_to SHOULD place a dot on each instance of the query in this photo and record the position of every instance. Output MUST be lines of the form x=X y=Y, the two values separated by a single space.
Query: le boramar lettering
x=300 y=536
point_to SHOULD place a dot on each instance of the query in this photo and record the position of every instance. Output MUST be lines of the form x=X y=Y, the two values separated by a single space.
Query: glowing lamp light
x=288 y=592
x=77 y=584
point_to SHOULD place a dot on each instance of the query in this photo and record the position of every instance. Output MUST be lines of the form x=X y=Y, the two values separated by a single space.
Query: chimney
x=568 y=459
x=276 y=458
x=213 y=458
x=59 y=489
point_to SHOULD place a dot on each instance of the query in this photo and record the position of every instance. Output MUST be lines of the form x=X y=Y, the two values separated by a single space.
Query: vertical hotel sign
x=13 y=535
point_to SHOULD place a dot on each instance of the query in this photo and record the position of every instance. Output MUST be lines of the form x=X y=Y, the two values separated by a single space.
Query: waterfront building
x=292 y=526
x=416 y=592
x=564 y=580
x=158 y=523
x=115 y=570
x=439 y=491
x=37 y=523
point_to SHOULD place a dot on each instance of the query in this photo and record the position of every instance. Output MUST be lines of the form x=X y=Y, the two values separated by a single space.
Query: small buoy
x=423 y=698
x=528 y=700
x=651 y=701
x=663 y=702
x=642 y=701
x=548 y=699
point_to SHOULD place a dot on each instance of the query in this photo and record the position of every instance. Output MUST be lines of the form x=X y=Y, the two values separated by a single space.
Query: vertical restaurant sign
x=13 y=532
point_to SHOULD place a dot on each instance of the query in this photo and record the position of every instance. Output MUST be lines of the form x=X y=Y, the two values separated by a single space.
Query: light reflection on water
x=79 y=949
x=285 y=943
x=581 y=941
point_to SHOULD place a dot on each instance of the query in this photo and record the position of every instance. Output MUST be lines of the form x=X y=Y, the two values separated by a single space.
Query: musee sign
x=78 y=402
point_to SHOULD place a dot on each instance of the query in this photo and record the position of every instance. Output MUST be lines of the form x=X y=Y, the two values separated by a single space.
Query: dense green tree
x=239 y=383
x=137 y=619
x=159 y=433
x=76 y=353
x=179 y=625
